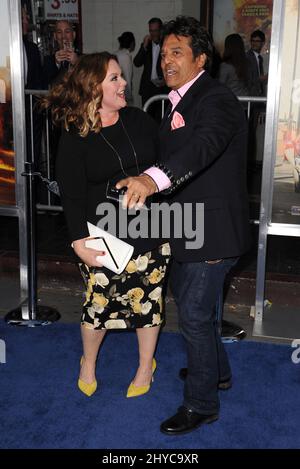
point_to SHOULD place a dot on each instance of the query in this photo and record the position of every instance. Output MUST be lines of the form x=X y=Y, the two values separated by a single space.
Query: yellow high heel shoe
x=134 y=391
x=87 y=389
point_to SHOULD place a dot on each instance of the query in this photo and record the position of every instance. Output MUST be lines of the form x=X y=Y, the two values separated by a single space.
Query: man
x=56 y=65
x=203 y=142
x=148 y=56
x=257 y=87
x=33 y=80
x=258 y=78
x=33 y=75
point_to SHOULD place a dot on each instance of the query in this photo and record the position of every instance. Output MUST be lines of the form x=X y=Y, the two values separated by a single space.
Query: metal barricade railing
x=251 y=99
x=44 y=161
x=46 y=165
x=158 y=97
x=244 y=99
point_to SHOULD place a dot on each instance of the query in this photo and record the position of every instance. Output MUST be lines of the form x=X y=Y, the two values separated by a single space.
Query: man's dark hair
x=156 y=20
x=126 y=39
x=70 y=23
x=200 y=40
x=258 y=33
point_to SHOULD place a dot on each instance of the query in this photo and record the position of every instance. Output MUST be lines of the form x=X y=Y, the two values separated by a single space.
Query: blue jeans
x=197 y=288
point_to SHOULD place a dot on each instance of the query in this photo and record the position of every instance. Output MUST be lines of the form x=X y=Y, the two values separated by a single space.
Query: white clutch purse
x=117 y=252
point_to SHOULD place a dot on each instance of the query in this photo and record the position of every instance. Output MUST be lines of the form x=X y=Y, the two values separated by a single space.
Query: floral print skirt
x=130 y=300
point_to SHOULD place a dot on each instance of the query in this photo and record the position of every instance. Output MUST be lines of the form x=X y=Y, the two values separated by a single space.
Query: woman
x=126 y=46
x=102 y=140
x=233 y=71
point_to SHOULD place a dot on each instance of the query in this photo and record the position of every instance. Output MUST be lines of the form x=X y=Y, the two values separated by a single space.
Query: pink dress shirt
x=159 y=177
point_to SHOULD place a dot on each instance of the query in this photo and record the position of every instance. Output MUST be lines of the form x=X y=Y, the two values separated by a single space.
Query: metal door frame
x=19 y=135
x=266 y=227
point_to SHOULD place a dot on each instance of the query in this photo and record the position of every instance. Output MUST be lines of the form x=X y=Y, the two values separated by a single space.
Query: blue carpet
x=41 y=407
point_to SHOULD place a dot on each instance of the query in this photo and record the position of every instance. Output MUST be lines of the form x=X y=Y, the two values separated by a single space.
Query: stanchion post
x=29 y=313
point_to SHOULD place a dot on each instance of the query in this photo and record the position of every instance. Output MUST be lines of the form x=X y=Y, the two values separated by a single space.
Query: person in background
x=257 y=87
x=102 y=140
x=148 y=56
x=258 y=77
x=33 y=80
x=215 y=61
x=233 y=71
x=127 y=45
x=55 y=67
x=203 y=144
x=33 y=75
x=65 y=56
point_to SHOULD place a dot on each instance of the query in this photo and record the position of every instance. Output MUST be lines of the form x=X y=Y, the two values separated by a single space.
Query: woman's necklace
x=117 y=153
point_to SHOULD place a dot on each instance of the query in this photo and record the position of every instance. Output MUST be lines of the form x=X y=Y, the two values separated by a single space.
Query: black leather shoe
x=185 y=421
x=230 y=330
x=222 y=385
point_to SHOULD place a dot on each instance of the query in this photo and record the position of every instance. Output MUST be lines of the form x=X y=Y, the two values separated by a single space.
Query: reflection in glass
x=286 y=196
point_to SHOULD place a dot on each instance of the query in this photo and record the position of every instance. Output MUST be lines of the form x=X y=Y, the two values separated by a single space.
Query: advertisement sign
x=61 y=10
x=242 y=17
x=286 y=196
x=7 y=161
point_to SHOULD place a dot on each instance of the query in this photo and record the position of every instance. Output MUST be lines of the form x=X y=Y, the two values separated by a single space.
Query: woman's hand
x=87 y=255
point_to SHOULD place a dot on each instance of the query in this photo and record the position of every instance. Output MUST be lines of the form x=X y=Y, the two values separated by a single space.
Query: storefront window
x=286 y=196
x=7 y=165
x=242 y=17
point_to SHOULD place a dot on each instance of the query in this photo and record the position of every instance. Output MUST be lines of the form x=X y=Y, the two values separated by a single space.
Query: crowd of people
x=243 y=72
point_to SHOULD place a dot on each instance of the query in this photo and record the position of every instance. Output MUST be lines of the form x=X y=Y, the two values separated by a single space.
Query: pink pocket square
x=177 y=121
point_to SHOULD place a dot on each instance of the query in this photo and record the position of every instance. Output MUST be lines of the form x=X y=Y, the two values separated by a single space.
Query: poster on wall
x=242 y=17
x=286 y=195
x=7 y=161
x=61 y=10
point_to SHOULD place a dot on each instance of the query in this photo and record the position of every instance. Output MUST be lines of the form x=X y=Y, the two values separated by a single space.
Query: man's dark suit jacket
x=34 y=82
x=34 y=70
x=256 y=88
x=206 y=160
x=147 y=89
x=52 y=73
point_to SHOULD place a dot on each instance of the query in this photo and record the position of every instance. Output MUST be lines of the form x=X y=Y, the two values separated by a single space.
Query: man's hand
x=146 y=41
x=72 y=57
x=61 y=55
x=66 y=55
x=138 y=189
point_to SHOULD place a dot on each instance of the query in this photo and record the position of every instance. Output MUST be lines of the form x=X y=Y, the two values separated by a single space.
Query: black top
x=85 y=164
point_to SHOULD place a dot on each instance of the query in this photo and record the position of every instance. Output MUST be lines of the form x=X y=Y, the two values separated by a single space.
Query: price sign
x=61 y=10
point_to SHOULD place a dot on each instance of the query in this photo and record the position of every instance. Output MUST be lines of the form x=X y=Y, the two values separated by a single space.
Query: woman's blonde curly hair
x=76 y=99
